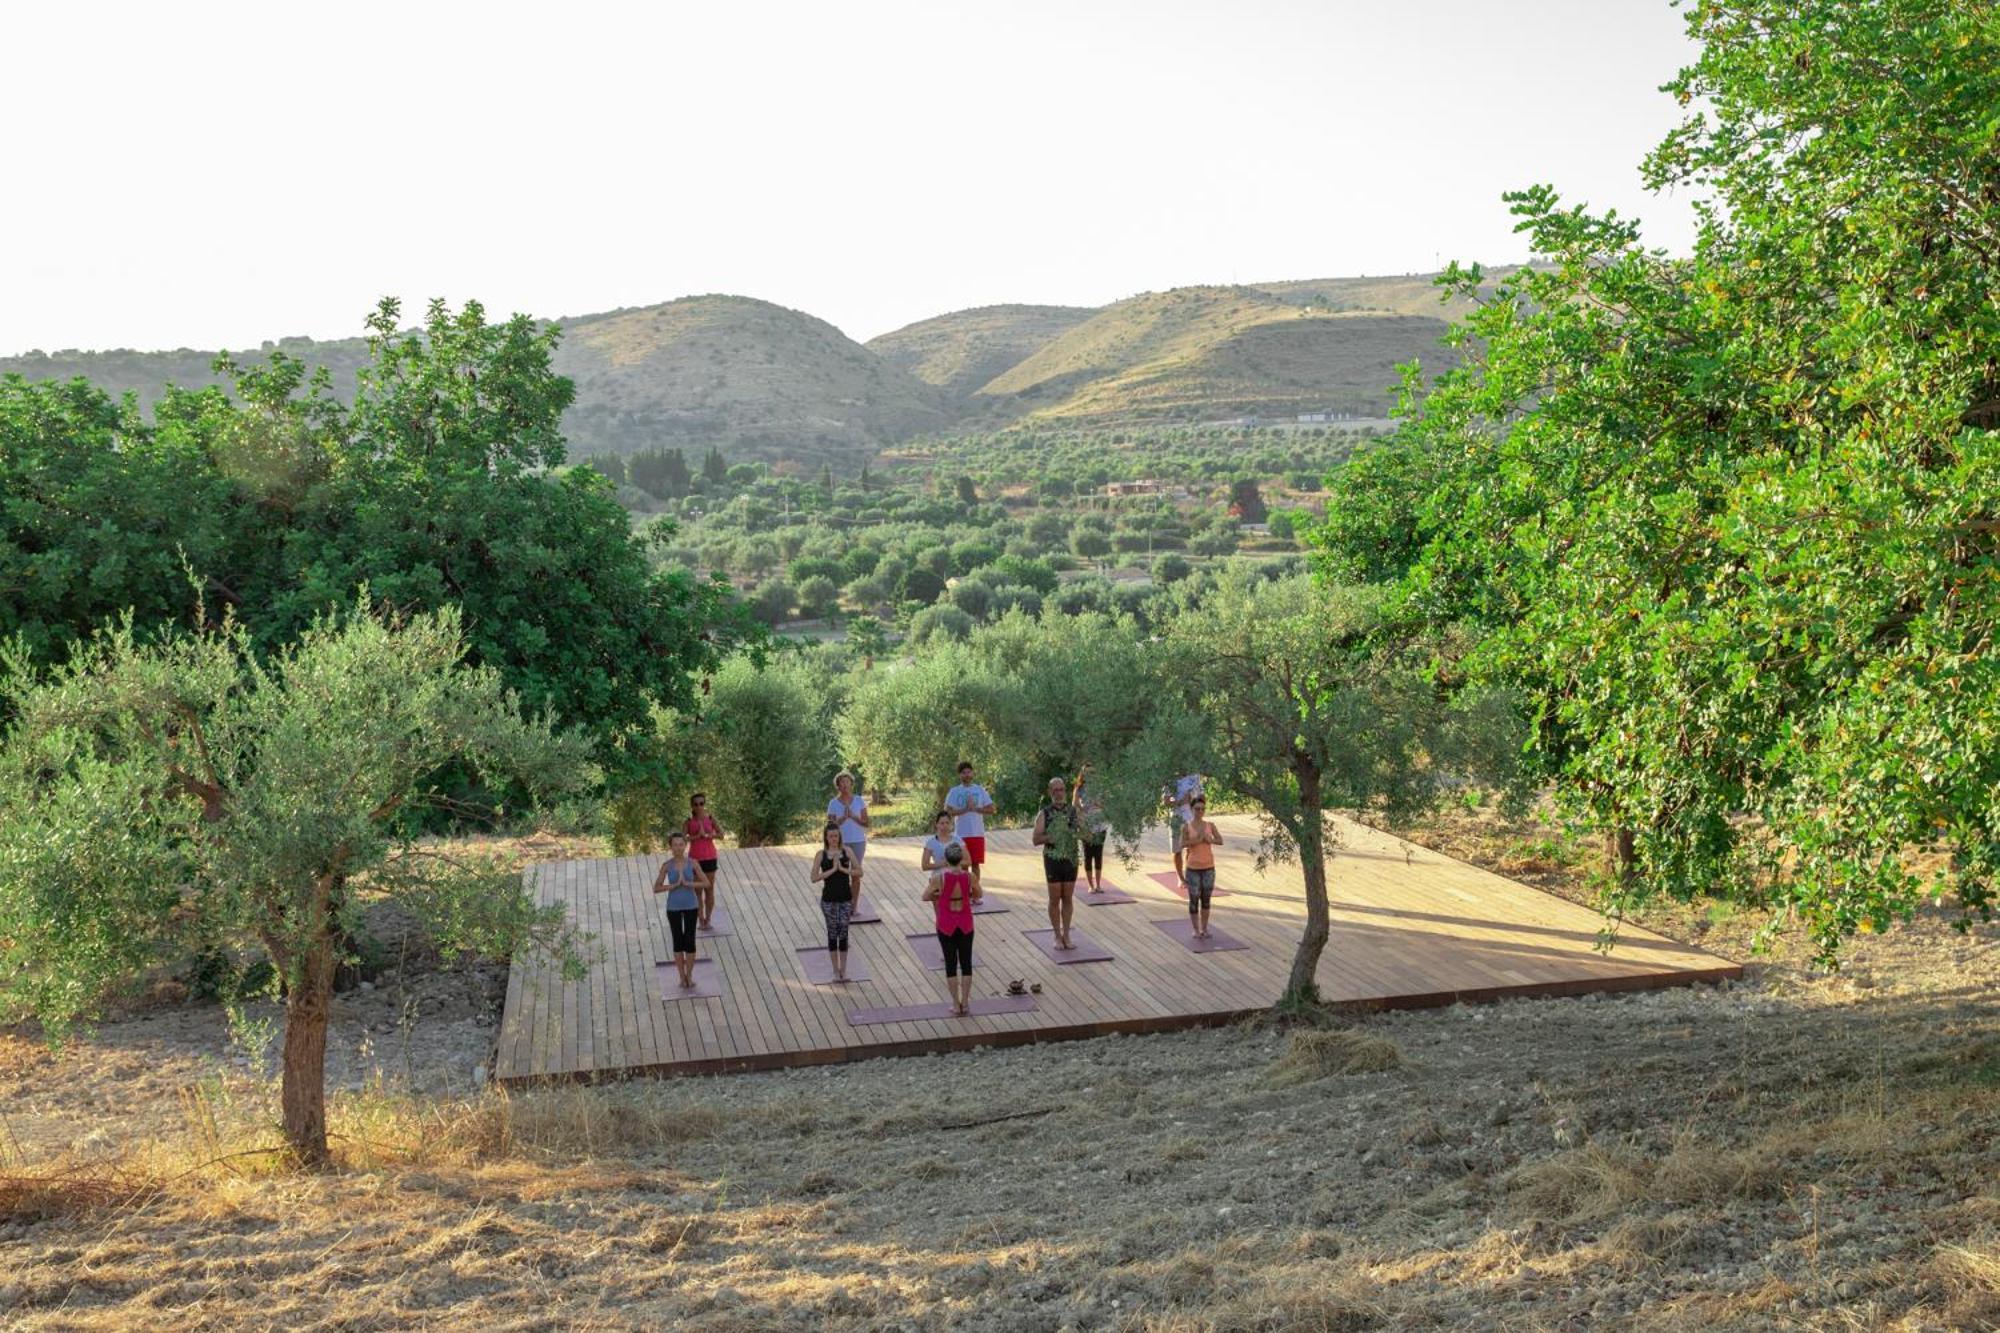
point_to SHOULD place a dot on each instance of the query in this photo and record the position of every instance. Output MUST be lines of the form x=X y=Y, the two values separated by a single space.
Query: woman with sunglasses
x=702 y=831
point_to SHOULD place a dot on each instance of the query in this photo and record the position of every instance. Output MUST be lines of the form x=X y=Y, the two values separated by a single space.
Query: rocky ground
x=1799 y=1151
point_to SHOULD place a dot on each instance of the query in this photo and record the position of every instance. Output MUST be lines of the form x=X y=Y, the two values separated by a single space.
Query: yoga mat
x=817 y=964
x=1182 y=929
x=911 y=1013
x=1167 y=879
x=864 y=911
x=1087 y=950
x=1112 y=894
x=707 y=981
x=718 y=926
x=927 y=949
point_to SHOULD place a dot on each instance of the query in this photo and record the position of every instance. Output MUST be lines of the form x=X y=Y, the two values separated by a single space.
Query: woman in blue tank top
x=682 y=880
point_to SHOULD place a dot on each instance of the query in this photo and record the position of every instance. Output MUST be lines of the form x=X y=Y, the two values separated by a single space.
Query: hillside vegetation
x=774 y=382
x=1199 y=353
x=962 y=351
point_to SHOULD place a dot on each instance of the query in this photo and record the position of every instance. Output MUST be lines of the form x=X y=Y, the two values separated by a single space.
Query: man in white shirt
x=969 y=804
x=1180 y=794
x=851 y=813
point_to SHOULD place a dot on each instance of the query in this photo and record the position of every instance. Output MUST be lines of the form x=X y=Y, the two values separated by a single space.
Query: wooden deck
x=1411 y=927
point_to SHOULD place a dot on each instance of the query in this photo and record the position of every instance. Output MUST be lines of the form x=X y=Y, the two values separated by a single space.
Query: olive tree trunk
x=304 y=1090
x=1302 y=988
x=308 y=1005
x=1620 y=854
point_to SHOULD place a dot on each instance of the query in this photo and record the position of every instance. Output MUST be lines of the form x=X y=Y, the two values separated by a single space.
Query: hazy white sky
x=214 y=174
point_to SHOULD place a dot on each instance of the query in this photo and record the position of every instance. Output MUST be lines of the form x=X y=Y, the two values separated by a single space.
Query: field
x=1799 y=1151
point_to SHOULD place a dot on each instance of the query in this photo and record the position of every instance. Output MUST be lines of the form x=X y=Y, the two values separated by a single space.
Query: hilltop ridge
x=763 y=381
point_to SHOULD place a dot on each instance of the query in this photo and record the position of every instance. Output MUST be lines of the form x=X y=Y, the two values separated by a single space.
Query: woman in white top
x=941 y=841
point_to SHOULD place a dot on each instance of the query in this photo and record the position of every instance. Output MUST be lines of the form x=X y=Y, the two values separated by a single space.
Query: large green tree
x=1734 y=519
x=193 y=794
x=440 y=485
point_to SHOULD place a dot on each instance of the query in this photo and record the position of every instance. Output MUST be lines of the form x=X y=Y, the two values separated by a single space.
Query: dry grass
x=1317 y=1053
x=1812 y=1153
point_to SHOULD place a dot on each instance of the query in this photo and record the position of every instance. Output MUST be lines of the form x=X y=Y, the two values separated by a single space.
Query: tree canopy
x=194 y=795
x=1734 y=519
x=440 y=485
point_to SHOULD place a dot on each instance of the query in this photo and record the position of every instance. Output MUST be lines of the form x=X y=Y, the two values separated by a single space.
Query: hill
x=756 y=378
x=961 y=351
x=1202 y=353
x=765 y=382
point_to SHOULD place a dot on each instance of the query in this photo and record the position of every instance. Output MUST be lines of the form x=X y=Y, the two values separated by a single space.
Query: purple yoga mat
x=1112 y=894
x=1182 y=929
x=989 y=905
x=864 y=911
x=817 y=965
x=927 y=949
x=1167 y=879
x=911 y=1013
x=707 y=981
x=1087 y=950
x=719 y=925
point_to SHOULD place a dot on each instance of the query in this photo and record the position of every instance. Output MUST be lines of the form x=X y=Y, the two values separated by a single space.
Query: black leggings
x=957 y=948
x=1093 y=859
x=837 y=916
x=680 y=924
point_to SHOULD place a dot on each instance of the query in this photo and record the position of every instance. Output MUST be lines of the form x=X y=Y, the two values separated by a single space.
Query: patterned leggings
x=836 y=915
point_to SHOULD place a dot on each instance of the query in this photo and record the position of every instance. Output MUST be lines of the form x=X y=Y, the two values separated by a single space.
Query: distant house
x=1147 y=487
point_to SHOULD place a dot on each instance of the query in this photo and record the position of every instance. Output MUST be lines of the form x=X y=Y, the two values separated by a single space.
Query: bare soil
x=1801 y=1151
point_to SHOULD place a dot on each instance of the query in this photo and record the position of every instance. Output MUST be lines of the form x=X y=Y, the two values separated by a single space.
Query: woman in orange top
x=1198 y=844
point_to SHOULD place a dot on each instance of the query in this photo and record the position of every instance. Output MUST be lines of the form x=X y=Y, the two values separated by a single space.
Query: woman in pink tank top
x=953 y=890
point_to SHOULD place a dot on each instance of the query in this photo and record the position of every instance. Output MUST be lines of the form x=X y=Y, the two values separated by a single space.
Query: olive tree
x=188 y=794
x=1303 y=699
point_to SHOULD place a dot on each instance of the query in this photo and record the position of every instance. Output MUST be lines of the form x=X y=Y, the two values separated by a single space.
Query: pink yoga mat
x=911 y=1013
x=1167 y=879
x=719 y=925
x=1112 y=894
x=1182 y=929
x=1087 y=950
x=817 y=965
x=707 y=981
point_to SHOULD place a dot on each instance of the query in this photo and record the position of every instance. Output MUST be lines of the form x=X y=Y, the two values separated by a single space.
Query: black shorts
x=1058 y=872
x=681 y=923
x=708 y=866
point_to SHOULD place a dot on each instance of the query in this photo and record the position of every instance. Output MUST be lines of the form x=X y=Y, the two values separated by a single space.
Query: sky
x=216 y=174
